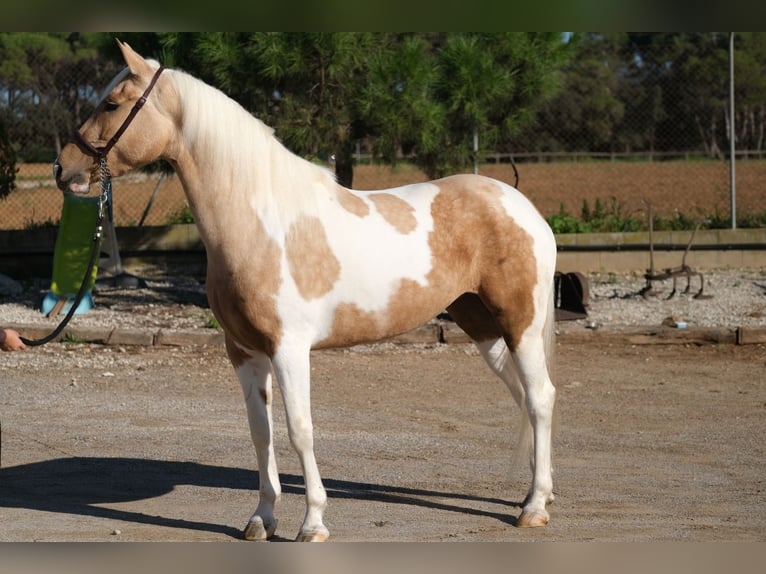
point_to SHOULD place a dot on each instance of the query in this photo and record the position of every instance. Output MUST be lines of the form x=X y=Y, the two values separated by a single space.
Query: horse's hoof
x=313 y=536
x=529 y=519
x=256 y=530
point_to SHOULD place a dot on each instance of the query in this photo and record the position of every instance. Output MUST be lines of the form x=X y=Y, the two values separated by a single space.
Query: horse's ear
x=135 y=62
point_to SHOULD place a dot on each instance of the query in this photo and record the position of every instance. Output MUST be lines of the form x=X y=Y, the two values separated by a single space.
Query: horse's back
x=500 y=216
x=418 y=248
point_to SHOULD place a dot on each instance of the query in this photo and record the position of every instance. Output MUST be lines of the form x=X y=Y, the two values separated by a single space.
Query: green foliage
x=305 y=84
x=418 y=95
x=183 y=215
x=30 y=224
x=613 y=219
x=628 y=92
x=609 y=219
x=715 y=220
x=71 y=339
x=397 y=102
x=415 y=94
x=600 y=219
x=752 y=220
x=682 y=222
x=50 y=82
x=565 y=222
x=430 y=94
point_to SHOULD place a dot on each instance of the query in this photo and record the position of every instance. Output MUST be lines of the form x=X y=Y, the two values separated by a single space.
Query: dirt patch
x=414 y=444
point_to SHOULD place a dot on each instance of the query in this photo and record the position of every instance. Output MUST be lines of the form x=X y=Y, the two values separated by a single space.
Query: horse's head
x=139 y=101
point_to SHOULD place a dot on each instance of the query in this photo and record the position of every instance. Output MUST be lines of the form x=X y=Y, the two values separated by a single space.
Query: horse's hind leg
x=529 y=362
x=540 y=395
x=471 y=315
x=254 y=375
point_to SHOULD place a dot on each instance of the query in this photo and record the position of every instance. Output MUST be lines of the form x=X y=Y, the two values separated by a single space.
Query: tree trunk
x=708 y=137
x=344 y=164
x=57 y=142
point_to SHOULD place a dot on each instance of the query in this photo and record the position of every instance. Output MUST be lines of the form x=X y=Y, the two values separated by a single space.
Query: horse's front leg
x=291 y=365
x=254 y=375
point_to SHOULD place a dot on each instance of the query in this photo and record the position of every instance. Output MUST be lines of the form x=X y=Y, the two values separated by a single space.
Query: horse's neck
x=265 y=188
x=235 y=171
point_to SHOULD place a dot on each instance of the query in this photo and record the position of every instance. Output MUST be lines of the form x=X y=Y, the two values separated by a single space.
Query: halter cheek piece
x=100 y=153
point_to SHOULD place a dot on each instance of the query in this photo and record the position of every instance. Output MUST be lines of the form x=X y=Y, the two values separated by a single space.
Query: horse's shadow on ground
x=77 y=485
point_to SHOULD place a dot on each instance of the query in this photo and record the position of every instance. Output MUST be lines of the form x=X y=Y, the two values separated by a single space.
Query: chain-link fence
x=683 y=189
x=650 y=125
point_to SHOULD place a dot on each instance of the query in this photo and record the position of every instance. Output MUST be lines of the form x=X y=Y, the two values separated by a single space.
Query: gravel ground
x=177 y=302
x=737 y=298
x=415 y=443
x=150 y=443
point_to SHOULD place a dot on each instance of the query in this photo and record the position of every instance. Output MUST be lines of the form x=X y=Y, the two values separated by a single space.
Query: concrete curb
x=435 y=332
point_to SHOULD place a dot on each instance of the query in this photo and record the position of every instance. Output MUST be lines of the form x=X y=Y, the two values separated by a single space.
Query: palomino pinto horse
x=297 y=262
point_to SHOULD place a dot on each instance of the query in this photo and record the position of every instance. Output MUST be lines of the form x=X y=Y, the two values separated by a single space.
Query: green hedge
x=612 y=218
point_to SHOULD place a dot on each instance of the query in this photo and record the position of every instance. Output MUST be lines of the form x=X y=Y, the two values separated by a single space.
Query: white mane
x=245 y=152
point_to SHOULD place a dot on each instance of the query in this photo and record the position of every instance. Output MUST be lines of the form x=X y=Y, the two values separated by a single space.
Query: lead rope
x=103 y=199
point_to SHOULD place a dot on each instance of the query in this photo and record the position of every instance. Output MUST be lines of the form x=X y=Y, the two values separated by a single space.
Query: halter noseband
x=99 y=153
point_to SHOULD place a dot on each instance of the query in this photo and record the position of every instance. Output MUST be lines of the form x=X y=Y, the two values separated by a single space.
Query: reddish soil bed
x=694 y=189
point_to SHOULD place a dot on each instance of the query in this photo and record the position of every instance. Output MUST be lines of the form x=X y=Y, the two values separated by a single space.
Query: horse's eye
x=110 y=106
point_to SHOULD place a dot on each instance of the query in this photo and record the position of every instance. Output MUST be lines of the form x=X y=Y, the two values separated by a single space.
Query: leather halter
x=99 y=153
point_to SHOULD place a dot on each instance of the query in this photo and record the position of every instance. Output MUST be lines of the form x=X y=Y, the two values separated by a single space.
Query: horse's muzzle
x=77 y=184
x=57 y=173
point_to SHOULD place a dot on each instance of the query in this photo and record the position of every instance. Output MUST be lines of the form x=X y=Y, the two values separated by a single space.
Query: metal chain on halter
x=103 y=202
x=106 y=189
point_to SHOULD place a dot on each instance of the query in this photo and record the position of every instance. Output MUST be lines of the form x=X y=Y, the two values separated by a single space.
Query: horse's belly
x=409 y=305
